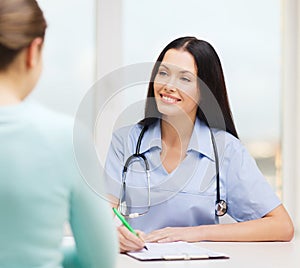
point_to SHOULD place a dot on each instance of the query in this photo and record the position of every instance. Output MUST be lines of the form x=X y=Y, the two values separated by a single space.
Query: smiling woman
x=188 y=132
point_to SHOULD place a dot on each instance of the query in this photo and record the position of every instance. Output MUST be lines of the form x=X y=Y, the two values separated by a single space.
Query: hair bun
x=21 y=21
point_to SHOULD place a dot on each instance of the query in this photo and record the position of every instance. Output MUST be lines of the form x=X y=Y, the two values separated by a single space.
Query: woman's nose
x=169 y=88
x=171 y=85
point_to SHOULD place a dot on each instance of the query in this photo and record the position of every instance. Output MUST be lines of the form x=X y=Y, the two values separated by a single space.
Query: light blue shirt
x=187 y=195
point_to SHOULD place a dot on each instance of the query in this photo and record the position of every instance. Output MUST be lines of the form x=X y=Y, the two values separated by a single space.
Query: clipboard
x=175 y=251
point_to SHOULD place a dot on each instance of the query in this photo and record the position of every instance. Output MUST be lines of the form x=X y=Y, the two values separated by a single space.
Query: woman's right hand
x=128 y=241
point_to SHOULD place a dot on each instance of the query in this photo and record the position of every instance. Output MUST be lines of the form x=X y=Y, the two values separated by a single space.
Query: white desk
x=242 y=255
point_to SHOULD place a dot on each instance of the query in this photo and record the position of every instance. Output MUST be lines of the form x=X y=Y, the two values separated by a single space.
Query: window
x=69 y=54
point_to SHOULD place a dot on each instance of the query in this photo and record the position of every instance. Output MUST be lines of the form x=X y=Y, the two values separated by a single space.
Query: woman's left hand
x=172 y=234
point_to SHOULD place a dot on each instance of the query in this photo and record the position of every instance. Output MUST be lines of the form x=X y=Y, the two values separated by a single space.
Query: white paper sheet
x=175 y=251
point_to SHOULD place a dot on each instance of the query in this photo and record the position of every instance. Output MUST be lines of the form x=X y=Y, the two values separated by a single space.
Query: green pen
x=126 y=224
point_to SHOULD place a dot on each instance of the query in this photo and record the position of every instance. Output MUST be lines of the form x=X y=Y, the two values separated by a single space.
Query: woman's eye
x=162 y=73
x=185 y=79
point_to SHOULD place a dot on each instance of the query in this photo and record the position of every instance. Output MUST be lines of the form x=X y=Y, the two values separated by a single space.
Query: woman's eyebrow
x=165 y=66
x=185 y=71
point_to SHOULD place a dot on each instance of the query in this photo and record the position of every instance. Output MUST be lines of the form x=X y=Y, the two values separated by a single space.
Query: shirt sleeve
x=249 y=194
x=93 y=230
x=114 y=166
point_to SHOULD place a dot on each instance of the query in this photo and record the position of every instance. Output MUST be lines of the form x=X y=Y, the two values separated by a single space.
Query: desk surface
x=243 y=255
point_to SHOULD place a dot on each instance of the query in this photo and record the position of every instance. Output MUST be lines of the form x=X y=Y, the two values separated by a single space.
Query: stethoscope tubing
x=220 y=205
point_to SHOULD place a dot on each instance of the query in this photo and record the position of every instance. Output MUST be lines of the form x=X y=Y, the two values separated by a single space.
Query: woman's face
x=175 y=85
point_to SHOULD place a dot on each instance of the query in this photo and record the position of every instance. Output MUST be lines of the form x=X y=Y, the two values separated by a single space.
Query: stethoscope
x=220 y=205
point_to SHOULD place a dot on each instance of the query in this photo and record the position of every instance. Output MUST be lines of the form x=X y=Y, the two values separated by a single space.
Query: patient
x=40 y=186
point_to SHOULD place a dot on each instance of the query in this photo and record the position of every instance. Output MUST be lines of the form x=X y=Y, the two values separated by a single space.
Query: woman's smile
x=169 y=99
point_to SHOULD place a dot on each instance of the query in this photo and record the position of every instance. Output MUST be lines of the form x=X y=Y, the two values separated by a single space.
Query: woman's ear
x=34 y=52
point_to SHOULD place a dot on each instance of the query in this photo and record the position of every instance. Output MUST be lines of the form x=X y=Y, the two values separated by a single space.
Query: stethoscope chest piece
x=221 y=208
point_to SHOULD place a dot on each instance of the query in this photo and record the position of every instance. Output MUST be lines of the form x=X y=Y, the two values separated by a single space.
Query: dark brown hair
x=213 y=109
x=21 y=21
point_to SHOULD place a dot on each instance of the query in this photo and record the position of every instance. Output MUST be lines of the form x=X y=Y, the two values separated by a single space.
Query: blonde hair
x=21 y=21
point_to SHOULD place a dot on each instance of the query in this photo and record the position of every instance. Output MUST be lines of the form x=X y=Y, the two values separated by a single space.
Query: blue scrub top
x=187 y=195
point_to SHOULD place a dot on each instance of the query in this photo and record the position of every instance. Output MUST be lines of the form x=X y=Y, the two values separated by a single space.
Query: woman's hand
x=172 y=234
x=128 y=241
x=274 y=226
